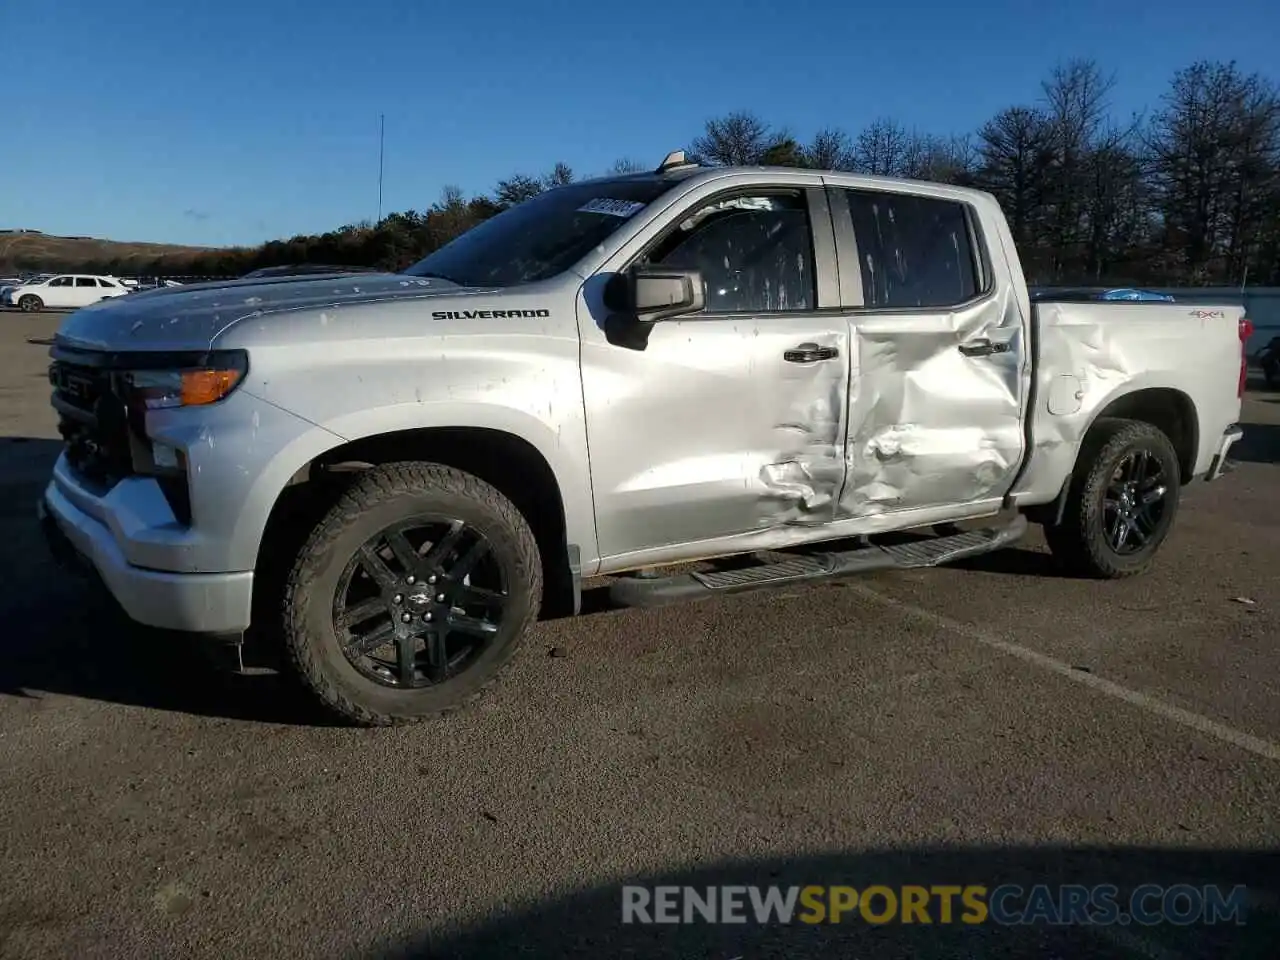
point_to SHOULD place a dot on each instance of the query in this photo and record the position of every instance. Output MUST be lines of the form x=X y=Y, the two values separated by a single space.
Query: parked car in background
x=1125 y=294
x=9 y=283
x=61 y=292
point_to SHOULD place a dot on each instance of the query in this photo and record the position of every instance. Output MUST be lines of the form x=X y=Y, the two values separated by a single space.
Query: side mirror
x=650 y=294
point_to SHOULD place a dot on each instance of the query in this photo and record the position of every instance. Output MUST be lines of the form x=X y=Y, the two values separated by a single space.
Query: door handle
x=984 y=347
x=809 y=353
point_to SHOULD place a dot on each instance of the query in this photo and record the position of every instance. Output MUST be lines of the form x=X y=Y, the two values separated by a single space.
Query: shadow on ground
x=588 y=923
x=1260 y=443
x=64 y=635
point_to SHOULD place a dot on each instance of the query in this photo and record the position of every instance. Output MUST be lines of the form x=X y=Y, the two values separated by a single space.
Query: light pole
x=381 y=139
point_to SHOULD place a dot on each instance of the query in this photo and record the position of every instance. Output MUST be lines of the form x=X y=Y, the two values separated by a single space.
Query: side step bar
x=653 y=592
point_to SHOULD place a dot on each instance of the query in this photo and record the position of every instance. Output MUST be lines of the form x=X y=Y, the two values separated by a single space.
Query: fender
x=563 y=450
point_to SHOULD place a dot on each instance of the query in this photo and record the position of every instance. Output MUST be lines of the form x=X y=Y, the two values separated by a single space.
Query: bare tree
x=626 y=165
x=882 y=148
x=739 y=139
x=941 y=159
x=1116 y=205
x=1015 y=153
x=559 y=176
x=1215 y=155
x=830 y=149
x=1076 y=102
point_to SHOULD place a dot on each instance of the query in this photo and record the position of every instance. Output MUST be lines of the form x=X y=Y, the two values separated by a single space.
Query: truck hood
x=190 y=317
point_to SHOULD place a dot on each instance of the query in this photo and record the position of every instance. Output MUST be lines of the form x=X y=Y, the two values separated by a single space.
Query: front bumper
x=1220 y=464
x=216 y=603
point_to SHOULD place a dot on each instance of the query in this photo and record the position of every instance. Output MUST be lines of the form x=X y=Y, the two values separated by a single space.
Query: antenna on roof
x=674 y=159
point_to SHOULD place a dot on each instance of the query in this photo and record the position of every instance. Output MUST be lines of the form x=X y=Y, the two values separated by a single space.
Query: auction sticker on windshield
x=614 y=208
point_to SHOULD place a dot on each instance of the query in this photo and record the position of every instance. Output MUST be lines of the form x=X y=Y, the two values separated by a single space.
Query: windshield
x=541 y=237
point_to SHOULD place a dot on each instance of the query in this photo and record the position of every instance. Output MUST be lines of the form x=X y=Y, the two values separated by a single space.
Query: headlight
x=211 y=379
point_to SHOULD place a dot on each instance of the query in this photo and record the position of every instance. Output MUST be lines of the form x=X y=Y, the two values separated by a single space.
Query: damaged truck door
x=937 y=402
x=727 y=416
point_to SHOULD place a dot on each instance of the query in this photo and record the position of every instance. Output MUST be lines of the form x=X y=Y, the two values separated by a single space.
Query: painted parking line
x=1193 y=721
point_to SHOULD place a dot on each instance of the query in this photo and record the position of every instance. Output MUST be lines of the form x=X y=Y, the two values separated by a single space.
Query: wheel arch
x=510 y=463
x=1168 y=409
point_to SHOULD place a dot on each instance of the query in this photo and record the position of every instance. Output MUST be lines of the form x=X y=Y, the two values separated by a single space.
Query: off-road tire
x=30 y=303
x=1079 y=542
x=381 y=497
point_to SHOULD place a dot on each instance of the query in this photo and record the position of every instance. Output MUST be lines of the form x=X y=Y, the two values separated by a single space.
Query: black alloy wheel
x=410 y=594
x=1121 y=502
x=1133 y=503
x=419 y=602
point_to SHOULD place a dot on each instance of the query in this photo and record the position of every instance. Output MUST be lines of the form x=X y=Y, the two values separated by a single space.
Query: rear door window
x=914 y=252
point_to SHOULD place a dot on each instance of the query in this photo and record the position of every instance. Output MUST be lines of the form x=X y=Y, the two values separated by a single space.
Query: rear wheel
x=1121 y=503
x=411 y=594
x=30 y=303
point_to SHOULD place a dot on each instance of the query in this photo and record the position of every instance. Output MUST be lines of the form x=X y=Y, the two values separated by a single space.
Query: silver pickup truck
x=398 y=473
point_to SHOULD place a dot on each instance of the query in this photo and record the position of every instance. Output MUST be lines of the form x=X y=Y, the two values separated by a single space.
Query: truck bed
x=1105 y=358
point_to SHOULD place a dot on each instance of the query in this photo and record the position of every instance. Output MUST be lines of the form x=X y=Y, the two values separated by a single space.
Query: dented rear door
x=732 y=421
x=940 y=366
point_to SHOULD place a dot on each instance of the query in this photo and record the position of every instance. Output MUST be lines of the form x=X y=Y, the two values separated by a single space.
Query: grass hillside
x=39 y=251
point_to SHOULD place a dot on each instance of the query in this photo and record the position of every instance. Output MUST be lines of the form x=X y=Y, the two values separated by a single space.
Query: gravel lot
x=989 y=724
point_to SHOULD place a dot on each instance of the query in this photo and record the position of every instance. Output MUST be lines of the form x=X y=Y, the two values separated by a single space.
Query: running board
x=654 y=592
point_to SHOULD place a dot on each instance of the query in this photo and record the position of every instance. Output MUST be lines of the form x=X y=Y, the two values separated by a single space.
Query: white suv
x=62 y=291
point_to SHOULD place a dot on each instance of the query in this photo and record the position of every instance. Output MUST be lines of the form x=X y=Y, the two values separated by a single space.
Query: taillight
x=1246 y=331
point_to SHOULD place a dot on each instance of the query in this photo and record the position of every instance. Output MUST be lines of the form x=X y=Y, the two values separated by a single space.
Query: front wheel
x=411 y=594
x=1121 y=503
x=30 y=303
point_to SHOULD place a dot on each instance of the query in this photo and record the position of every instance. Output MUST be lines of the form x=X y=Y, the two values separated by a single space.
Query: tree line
x=1187 y=193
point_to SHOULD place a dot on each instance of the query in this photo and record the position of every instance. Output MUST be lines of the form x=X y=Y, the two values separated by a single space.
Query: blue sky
x=236 y=122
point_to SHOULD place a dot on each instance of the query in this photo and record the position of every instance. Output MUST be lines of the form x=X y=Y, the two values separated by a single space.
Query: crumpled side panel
x=929 y=425
x=1092 y=354
x=802 y=481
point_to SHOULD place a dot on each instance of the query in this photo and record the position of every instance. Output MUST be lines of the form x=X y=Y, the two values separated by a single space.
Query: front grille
x=93 y=421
